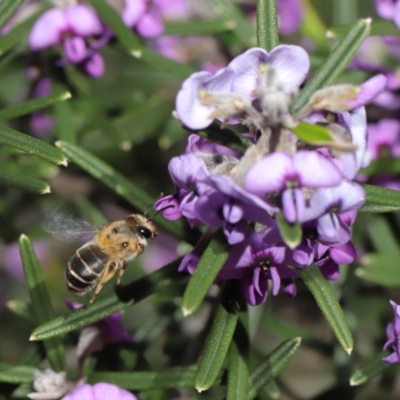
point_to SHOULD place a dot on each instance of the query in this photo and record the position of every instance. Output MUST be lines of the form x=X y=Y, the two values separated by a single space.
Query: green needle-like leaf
x=204 y=275
x=272 y=366
x=22 y=309
x=382 y=269
x=118 y=183
x=176 y=378
x=238 y=374
x=200 y=27
x=7 y=9
x=128 y=39
x=16 y=373
x=369 y=370
x=217 y=343
x=16 y=36
x=291 y=232
x=41 y=303
x=380 y=199
x=65 y=122
x=125 y=297
x=30 y=106
x=242 y=28
x=336 y=62
x=267 y=24
x=30 y=145
x=23 y=182
x=328 y=304
x=165 y=64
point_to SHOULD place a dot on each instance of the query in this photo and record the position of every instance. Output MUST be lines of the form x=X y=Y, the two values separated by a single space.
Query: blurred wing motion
x=68 y=229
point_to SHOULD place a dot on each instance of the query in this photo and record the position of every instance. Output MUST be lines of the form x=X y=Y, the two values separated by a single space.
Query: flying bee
x=110 y=250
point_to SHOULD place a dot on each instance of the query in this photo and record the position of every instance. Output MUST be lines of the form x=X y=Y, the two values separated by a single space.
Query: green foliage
x=116 y=135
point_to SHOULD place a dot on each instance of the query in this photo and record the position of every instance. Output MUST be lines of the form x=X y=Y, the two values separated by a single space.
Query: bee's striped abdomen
x=84 y=269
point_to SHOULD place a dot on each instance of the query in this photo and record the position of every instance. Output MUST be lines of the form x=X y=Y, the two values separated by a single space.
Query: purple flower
x=55 y=25
x=389 y=9
x=393 y=336
x=191 y=110
x=327 y=204
x=70 y=27
x=384 y=138
x=290 y=13
x=290 y=63
x=99 y=391
x=278 y=172
x=141 y=16
x=257 y=260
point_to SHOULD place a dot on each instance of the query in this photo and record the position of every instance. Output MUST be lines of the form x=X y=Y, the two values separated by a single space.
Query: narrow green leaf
x=30 y=106
x=313 y=26
x=238 y=374
x=117 y=182
x=291 y=232
x=380 y=199
x=65 y=122
x=128 y=39
x=311 y=133
x=41 y=303
x=218 y=342
x=382 y=269
x=328 y=304
x=16 y=373
x=200 y=27
x=7 y=9
x=382 y=235
x=30 y=145
x=369 y=370
x=336 y=62
x=23 y=182
x=378 y=28
x=22 y=309
x=272 y=365
x=165 y=64
x=96 y=117
x=204 y=275
x=267 y=24
x=15 y=37
x=382 y=165
x=242 y=27
x=226 y=137
x=125 y=297
x=174 y=378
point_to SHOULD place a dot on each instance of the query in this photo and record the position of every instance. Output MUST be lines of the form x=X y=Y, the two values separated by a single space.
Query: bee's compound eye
x=125 y=244
x=146 y=233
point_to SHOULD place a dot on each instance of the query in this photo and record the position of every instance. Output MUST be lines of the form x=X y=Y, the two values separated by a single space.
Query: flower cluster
x=81 y=33
x=309 y=184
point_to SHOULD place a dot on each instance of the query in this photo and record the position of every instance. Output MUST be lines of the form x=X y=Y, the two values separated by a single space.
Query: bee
x=109 y=252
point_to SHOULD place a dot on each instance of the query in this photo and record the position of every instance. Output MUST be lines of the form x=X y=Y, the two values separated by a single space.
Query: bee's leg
x=121 y=271
x=108 y=273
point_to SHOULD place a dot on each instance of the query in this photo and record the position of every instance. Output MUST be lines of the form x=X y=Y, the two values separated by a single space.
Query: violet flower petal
x=83 y=20
x=75 y=49
x=48 y=29
x=150 y=25
x=133 y=10
x=94 y=65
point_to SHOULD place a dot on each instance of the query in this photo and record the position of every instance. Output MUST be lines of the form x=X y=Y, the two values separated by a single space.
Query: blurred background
x=124 y=117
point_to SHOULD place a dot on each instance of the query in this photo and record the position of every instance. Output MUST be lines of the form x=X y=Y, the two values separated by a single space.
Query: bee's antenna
x=158 y=211
x=151 y=205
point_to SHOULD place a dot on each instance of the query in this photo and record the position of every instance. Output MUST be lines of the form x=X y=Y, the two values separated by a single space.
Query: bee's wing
x=68 y=229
